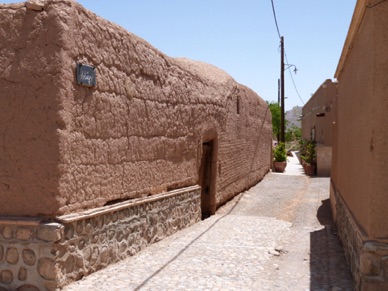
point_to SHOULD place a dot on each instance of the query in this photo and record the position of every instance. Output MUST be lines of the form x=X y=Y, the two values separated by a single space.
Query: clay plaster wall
x=361 y=147
x=322 y=102
x=358 y=186
x=318 y=116
x=324 y=156
x=30 y=82
x=139 y=132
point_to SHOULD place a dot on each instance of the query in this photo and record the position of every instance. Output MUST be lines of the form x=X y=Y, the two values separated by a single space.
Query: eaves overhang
x=358 y=15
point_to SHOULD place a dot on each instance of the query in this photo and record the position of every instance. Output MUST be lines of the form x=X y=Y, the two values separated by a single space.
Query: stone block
x=22 y=274
x=70 y=263
x=24 y=234
x=6 y=277
x=29 y=257
x=46 y=268
x=50 y=232
x=12 y=256
x=69 y=231
x=370 y=265
x=7 y=232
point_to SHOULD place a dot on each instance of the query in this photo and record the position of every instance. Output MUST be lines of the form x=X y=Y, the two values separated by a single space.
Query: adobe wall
x=91 y=175
x=324 y=156
x=30 y=84
x=361 y=126
x=378 y=133
x=319 y=112
x=359 y=186
x=138 y=132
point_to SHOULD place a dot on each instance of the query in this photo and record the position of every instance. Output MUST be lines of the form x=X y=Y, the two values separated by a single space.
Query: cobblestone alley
x=276 y=236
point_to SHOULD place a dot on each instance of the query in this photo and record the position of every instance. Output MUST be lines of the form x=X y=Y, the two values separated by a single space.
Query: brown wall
x=319 y=114
x=322 y=102
x=30 y=82
x=361 y=148
x=138 y=132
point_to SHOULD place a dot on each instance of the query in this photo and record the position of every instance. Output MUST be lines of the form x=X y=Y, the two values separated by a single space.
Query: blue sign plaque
x=86 y=75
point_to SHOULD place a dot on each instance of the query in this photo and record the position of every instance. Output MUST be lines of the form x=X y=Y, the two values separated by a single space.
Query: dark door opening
x=205 y=180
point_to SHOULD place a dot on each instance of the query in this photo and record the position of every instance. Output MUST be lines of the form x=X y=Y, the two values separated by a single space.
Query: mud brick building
x=359 y=187
x=318 y=116
x=108 y=145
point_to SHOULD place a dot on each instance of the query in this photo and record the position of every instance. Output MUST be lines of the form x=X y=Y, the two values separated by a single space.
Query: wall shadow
x=185 y=248
x=328 y=267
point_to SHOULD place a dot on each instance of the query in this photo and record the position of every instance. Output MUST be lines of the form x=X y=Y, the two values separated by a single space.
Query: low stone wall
x=37 y=255
x=27 y=257
x=368 y=259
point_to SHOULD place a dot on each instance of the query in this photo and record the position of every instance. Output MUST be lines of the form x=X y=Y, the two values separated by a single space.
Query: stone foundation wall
x=27 y=256
x=37 y=255
x=368 y=259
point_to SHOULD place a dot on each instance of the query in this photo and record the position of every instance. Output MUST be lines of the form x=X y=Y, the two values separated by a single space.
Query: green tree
x=293 y=133
x=276 y=115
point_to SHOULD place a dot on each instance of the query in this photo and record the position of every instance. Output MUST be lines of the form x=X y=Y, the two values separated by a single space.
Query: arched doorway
x=207 y=177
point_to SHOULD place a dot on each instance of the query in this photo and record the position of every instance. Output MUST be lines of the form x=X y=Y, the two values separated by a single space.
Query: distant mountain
x=292 y=117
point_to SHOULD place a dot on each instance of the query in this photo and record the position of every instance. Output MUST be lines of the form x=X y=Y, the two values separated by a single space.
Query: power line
x=293 y=82
x=288 y=68
x=274 y=16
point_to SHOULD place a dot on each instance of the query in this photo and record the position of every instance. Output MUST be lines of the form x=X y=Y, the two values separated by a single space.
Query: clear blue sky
x=240 y=36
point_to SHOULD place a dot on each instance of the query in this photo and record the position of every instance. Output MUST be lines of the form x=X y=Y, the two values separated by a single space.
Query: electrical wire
x=293 y=81
x=278 y=30
x=274 y=16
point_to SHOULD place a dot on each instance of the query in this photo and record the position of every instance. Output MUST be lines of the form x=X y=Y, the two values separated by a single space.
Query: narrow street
x=278 y=235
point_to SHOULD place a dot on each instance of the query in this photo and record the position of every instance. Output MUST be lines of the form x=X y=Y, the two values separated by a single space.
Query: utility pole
x=282 y=137
x=278 y=125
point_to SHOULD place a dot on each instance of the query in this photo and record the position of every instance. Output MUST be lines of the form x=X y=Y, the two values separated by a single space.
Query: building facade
x=359 y=188
x=318 y=116
x=108 y=145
